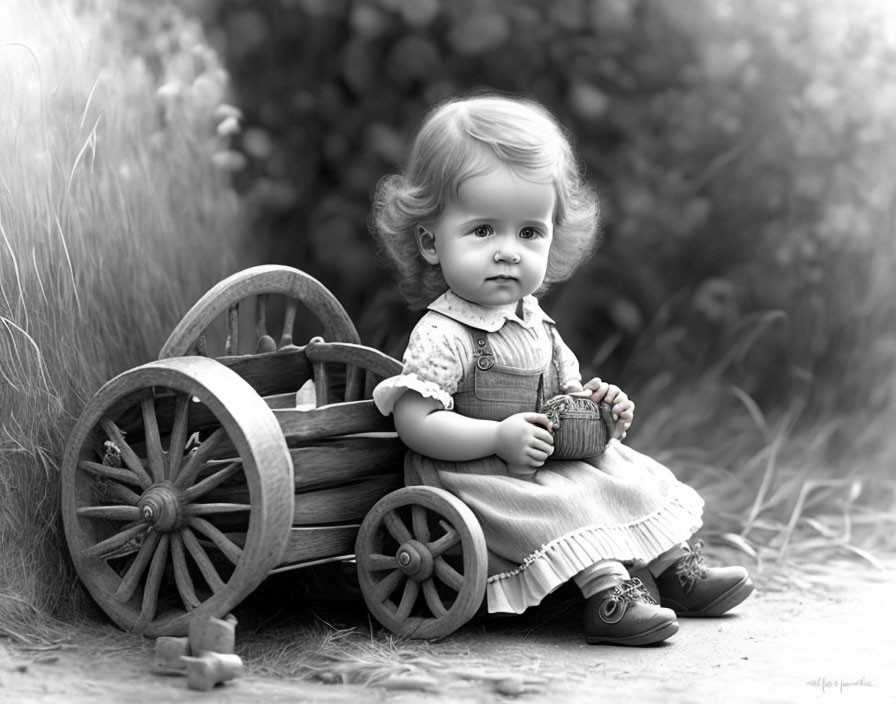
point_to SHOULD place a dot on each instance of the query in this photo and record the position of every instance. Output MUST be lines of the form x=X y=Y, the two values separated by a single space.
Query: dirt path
x=781 y=646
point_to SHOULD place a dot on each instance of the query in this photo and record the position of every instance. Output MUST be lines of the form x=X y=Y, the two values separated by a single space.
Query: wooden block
x=169 y=651
x=210 y=669
x=211 y=634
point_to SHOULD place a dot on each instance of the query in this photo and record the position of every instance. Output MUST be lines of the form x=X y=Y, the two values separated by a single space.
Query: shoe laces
x=691 y=567
x=631 y=591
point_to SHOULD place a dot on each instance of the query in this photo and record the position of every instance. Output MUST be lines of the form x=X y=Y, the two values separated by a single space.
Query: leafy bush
x=743 y=152
x=741 y=155
x=114 y=218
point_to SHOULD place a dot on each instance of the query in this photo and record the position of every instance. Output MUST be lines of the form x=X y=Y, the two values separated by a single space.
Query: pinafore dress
x=545 y=526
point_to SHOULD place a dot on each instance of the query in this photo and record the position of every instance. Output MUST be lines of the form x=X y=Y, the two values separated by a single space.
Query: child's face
x=492 y=242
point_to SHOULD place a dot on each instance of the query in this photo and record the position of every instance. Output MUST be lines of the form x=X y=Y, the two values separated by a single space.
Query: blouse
x=439 y=355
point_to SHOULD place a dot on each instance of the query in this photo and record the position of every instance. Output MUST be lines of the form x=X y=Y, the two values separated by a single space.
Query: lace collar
x=490 y=319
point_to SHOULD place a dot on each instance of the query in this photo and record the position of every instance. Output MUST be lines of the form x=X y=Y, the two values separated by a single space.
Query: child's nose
x=506 y=249
x=506 y=255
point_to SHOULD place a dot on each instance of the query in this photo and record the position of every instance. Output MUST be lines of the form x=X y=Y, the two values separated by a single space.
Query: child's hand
x=623 y=407
x=524 y=439
x=572 y=387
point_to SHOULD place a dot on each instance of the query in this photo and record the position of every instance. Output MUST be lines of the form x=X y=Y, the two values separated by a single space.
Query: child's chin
x=502 y=296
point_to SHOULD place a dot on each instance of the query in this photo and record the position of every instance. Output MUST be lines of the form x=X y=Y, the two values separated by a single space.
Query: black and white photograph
x=450 y=351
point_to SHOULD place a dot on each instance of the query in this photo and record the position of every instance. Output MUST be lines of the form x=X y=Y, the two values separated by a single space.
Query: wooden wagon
x=188 y=480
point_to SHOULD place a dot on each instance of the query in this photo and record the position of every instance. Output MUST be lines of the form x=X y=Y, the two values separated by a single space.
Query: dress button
x=480 y=342
x=485 y=363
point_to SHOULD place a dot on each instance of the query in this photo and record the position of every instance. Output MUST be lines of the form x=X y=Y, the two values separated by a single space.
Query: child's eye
x=529 y=233
x=483 y=230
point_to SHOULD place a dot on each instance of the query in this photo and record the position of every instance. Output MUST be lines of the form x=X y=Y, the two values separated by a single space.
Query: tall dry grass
x=807 y=483
x=115 y=216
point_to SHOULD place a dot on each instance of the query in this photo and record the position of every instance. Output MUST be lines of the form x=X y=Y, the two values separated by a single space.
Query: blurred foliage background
x=743 y=153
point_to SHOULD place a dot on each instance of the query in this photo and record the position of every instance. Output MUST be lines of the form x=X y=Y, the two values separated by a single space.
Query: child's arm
x=426 y=427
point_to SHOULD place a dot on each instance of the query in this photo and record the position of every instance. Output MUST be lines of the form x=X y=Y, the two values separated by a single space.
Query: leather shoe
x=692 y=589
x=627 y=615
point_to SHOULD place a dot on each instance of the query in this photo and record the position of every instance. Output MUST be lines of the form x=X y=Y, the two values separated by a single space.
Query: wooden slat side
x=328 y=461
x=344 y=503
x=272 y=372
x=280 y=401
x=315 y=542
x=300 y=425
x=334 y=461
x=237 y=492
x=276 y=374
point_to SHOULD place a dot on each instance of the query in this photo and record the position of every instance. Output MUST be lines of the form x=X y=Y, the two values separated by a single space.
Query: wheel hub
x=415 y=560
x=160 y=506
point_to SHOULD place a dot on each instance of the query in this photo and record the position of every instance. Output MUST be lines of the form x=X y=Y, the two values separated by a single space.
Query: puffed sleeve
x=433 y=367
x=564 y=360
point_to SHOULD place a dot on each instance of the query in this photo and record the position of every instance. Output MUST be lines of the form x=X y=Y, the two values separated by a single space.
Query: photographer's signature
x=827 y=684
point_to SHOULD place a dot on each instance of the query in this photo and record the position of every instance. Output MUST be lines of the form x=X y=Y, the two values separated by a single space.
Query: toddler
x=491 y=208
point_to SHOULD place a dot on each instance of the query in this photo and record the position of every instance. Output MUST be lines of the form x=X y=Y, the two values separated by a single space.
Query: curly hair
x=460 y=139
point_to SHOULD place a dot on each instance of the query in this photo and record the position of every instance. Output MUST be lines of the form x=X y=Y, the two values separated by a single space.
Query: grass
x=113 y=220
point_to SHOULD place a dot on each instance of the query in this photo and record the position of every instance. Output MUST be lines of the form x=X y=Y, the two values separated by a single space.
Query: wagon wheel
x=422 y=562
x=261 y=282
x=147 y=537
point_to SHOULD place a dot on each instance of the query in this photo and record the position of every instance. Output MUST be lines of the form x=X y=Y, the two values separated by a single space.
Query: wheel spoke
x=190 y=471
x=210 y=482
x=233 y=330
x=231 y=550
x=127 y=454
x=153 y=582
x=154 y=455
x=448 y=574
x=113 y=491
x=433 y=600
x=289 y=318
x=354 y=382
x=447 y=541
x=419 y=522
x=261 y=315
x=396 y=527
x=263 y=341
x=387 y=585
x=132 y=577
x=377 y=563
x=178 y=441
x=112 y=513
x=211 y=509
x=408 y=599
x=182 y=573
x=104 y=548
x=321 y=383
x=115 y=473
x=202 y=562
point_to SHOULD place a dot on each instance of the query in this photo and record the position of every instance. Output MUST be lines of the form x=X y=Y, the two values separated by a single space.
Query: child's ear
x=426 y=243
